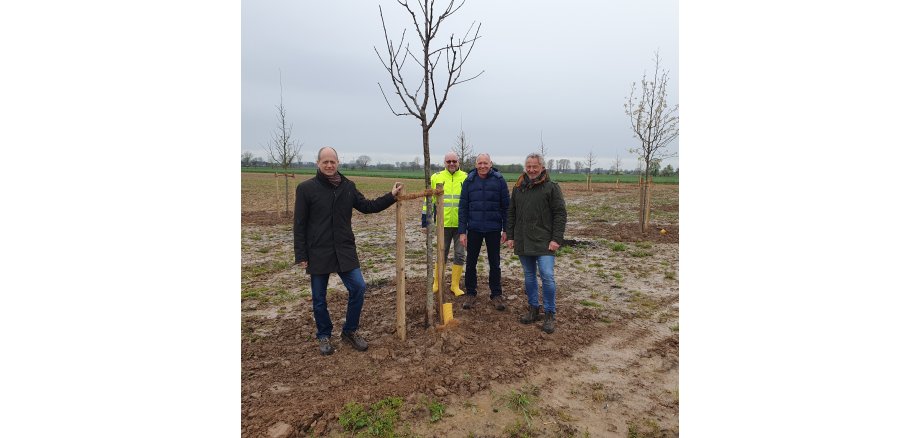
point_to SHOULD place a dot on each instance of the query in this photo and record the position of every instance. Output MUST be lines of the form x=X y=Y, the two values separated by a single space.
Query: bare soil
x=610 y=369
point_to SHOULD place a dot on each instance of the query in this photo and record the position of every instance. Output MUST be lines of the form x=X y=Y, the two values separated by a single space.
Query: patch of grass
x=647 y=428
x=265 y=268
x=253 y=294
x=643 y=245
x=284 y=296
x=675 y=328
x=522 y=401
x=618 y=276
x=618 y=246
x=669 y=275
x=595 y=265
x=640 y=254
x=588 y=303
x=518 y=430
x=379 y=420
x=435 y=411
x=565 y=250
x=577 y=262
x=595 y=295
x=605 y=320
x=643 y=304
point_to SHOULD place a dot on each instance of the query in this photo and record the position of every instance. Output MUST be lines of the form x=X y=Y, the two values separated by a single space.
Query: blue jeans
x=354 y=282
x=493 y=247
x=545 y=264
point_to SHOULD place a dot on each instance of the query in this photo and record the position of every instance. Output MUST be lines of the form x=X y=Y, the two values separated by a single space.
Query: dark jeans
x=493 y=246
x=354 y=282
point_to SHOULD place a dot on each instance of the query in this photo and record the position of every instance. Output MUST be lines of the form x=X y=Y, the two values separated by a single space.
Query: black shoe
x=469 y=301
x=325 y=347
x=533 y=312
x=549 y=322
x=355 y=340
x=499 y=302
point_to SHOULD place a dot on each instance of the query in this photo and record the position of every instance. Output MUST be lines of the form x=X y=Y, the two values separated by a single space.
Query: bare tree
x=590 y=161
x=549 y=166
x=617 y=164
x=282 y=149
x=543 y=148
x=415 y=99
x=578 y=166
x=246 y=159
x=363 y=161
x=464 y=150
x=654 y=123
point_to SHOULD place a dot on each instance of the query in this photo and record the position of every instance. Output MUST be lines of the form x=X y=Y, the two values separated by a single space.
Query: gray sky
x=563 y=71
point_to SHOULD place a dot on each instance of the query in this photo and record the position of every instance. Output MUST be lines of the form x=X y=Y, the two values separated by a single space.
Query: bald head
x=328 y=161
x=451 y=162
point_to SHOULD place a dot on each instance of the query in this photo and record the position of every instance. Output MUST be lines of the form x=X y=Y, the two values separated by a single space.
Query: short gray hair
x=537 y=156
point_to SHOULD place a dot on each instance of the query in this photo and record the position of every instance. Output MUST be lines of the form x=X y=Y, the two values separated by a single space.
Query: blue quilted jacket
x=483 y=203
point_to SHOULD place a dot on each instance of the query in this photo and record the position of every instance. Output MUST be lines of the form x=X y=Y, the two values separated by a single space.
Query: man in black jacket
x=324 y=242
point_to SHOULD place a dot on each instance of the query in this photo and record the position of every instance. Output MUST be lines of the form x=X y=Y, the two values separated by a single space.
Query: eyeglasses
x=450 y=161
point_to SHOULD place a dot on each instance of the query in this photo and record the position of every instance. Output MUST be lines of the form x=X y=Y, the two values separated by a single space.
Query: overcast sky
x=560 y=69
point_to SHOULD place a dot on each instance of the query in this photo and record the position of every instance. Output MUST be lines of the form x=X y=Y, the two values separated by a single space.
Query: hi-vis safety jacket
x=452 y=185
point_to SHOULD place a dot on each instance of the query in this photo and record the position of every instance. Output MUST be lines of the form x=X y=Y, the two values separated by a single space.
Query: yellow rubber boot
x=455 y=279
x=435 y=287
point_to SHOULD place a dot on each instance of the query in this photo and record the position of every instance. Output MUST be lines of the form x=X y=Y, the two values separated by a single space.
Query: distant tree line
x=561 y=165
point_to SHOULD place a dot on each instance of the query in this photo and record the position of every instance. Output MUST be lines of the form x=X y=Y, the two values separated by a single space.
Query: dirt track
x=610 y=368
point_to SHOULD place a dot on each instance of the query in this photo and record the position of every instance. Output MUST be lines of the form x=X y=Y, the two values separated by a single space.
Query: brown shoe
x=549 y=322
x=469 y=301
x=325 y=347
x=499 y=302
x=355 y=340
x=533 y=312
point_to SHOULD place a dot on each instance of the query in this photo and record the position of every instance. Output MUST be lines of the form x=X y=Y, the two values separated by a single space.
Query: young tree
x=654 y=123
x=282 y=149
x=416 y=98
x=543 y=148
x=464 y=150
x=590 y=161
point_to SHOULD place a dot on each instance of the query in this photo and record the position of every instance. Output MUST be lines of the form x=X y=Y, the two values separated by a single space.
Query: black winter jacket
x=322 y=223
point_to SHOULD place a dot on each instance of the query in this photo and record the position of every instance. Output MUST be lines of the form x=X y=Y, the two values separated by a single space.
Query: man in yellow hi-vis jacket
x=452 y=177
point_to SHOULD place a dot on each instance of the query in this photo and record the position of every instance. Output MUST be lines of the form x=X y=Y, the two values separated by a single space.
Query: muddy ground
x=610 y=369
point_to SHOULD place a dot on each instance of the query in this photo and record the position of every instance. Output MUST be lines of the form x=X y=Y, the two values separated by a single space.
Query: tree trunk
x=429 y=300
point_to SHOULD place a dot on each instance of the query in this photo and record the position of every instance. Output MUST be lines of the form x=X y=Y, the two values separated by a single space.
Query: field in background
x=418 y=174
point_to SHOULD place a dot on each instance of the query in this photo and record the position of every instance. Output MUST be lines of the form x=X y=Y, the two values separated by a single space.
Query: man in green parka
x=536 y=223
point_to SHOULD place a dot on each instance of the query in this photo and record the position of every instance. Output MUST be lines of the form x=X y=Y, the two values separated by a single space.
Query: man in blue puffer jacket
x=483 y=215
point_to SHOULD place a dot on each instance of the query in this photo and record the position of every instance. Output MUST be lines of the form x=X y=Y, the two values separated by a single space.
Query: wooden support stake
x=400 y=271
x=648 y=201
x=440 y=273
